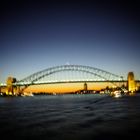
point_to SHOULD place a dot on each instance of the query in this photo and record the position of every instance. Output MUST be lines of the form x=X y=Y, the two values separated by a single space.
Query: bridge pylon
x=11 y=89
x=131 y=83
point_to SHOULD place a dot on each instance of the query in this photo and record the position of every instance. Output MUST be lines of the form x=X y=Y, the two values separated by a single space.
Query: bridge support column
x=131 y=83
x=10 y=87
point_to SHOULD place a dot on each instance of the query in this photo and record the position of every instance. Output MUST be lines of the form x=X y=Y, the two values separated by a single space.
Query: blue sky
x=36 y=35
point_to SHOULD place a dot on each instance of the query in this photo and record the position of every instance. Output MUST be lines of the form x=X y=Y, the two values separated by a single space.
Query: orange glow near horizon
x=66 y=87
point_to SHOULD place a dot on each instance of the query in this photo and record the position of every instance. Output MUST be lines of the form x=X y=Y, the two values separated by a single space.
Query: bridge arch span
x=102 y=74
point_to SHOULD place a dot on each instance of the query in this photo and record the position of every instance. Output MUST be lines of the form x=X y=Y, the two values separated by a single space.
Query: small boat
x=117 y=94
x=54 y=93
x=27 y=94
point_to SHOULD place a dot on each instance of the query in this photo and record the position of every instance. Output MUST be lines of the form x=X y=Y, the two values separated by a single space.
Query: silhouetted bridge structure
x=70 y=74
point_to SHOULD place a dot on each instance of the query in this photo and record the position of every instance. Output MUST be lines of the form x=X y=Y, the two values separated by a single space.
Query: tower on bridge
x=11 y=89
x=131 y=82
x=85 y=86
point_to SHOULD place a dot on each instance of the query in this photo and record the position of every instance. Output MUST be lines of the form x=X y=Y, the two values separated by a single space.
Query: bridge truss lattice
x=86 y=73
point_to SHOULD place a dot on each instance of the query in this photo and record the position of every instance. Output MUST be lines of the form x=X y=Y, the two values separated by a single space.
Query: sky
x=37 y=34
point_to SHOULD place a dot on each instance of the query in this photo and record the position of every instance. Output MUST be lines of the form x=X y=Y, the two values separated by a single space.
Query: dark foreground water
x=70 y=117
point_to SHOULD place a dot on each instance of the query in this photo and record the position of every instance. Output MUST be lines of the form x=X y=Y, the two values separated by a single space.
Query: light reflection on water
x=70 y=117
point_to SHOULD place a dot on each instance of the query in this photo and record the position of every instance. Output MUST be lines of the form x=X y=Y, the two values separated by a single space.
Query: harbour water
x=70 y=117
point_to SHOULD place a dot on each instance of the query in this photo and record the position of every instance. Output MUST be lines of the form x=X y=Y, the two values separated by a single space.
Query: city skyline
x=36 y=35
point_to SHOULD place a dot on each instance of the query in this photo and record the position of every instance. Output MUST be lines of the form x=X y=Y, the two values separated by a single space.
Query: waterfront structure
x=131 y=82
x=11 y=89
x=85 y=86
x=9 y=83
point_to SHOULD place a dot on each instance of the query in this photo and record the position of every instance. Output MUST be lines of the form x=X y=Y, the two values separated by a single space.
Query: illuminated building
x=131 y=82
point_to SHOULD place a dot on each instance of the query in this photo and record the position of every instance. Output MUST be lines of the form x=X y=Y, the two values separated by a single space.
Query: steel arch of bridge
x=102 y=74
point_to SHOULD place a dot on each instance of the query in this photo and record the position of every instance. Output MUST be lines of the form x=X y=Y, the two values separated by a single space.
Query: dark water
x=70 y=117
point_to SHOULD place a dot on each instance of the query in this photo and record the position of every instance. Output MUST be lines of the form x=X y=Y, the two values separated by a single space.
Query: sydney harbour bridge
x=71 y=74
